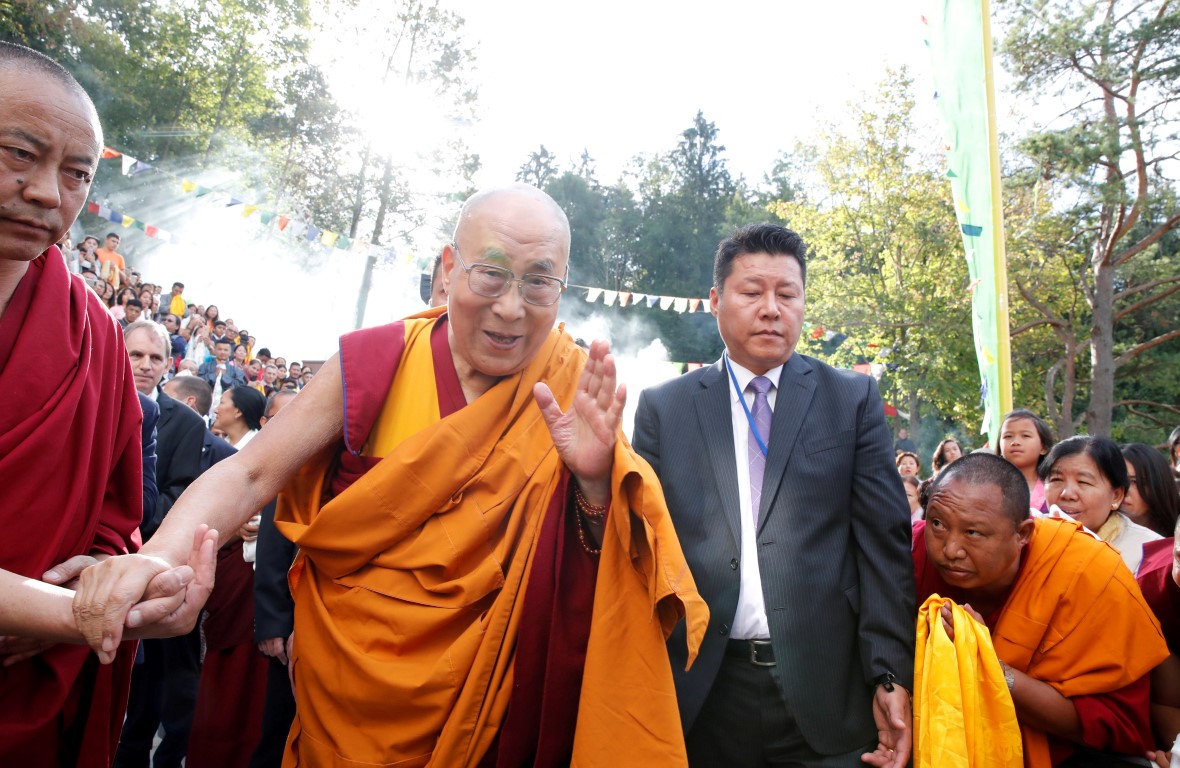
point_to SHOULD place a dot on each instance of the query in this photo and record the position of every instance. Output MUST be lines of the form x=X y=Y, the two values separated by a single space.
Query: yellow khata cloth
x=963 y=712
x=409 y=585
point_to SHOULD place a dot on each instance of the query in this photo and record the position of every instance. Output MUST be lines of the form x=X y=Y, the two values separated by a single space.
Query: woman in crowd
x=106 y=292
x=908 y=464
x=1151 y=500
x=119 y=311
x=1086 y=479
x=913 y=495
x=199 y=344
x=239 y=358
x=1025 y=438
x=947 y=451
x=211 y=314
x=239 y=414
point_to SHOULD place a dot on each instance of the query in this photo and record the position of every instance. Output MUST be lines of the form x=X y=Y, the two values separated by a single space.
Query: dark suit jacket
x=214 y=449
x=274 y=609
x=178 y=453
x=833 y=539
x=148 y=436
x=230 y=377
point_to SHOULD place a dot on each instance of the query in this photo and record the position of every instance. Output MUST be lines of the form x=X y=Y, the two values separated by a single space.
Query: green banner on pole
x=957 y=36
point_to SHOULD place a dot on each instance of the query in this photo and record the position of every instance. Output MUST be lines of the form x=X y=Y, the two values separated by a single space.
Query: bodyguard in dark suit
x=164 y=681
x=778 y=471
x=179 y=448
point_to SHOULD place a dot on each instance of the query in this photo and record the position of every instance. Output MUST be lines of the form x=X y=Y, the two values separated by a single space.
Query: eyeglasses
x=491 y=281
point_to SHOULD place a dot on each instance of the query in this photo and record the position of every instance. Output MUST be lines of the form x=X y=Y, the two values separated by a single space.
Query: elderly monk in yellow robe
x=487 y=571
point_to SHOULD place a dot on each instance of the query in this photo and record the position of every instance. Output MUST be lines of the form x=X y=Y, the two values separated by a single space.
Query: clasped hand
x=141 y=596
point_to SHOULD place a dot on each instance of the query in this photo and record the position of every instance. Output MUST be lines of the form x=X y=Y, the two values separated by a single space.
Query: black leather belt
x=760 y=653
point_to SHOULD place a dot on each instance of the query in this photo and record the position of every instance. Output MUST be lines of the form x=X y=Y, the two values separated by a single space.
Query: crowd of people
x=437 y=550
x=201 y=342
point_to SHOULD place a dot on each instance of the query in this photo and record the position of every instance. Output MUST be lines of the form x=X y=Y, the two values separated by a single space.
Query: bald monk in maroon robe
x=70 y=447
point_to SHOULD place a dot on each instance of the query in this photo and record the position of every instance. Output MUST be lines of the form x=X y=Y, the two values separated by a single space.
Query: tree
x=1117 y=64
x=421 y=39
x=685 y=198
x=885 y=267
x=539 y=168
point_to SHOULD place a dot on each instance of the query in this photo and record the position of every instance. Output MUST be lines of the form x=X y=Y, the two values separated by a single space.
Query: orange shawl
x=410 y=584
x=1076 y=620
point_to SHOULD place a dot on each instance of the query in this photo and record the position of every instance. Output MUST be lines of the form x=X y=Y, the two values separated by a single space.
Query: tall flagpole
x=1003 y=342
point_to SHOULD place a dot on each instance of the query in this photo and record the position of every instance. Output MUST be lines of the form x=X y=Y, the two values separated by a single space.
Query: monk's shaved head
x=488 y=199
x=18 y=58
x=988 y=469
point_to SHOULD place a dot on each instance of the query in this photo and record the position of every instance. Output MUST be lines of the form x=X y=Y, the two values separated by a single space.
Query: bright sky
x=623 y=77
x=617 y=78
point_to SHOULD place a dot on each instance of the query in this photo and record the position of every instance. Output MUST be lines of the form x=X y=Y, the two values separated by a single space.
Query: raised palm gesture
x=585 y=434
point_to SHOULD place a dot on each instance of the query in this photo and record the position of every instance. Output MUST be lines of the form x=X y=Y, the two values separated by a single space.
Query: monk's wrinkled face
x=49 y=149
x=494 y=337
x=972 y=542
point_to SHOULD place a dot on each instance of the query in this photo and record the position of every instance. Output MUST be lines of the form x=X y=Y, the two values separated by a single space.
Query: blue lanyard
x=742 y=399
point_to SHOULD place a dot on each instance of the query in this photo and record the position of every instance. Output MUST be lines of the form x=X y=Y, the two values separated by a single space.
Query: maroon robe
x=71 y=483
x=227 y=720
x=1160 y=589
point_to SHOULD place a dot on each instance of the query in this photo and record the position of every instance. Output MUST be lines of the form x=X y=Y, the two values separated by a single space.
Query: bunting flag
x=959 y=38
x=128 y=222
x=132 y=166
x=608 y=297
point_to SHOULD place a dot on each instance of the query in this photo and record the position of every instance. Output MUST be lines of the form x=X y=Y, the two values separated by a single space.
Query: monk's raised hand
x=174 y=598
x=585 y=434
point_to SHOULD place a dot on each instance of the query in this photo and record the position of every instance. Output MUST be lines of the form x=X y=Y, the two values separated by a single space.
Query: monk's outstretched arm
x=36 y=609
x=223 y=498
x=1040 y=706
x=31 y=608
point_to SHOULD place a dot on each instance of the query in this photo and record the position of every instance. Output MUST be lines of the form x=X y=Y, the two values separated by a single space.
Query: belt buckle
x=754 y=646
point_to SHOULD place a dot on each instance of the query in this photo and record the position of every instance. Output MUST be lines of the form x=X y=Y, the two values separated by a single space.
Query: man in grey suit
x=778 y=471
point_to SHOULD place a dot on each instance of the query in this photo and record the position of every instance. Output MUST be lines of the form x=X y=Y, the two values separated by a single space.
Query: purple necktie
x=761 y=413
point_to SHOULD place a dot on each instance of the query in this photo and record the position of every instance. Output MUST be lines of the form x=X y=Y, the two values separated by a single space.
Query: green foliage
x=1094 y=205
x=885 y=267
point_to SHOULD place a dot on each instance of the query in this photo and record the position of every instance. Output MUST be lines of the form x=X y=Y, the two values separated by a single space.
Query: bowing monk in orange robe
x=487 y=572
x=71 y=473
x=1074 y=637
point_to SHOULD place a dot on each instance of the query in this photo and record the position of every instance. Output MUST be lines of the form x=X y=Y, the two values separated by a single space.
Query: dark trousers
x=745 y=723
x=277 y=715
x=163 y=692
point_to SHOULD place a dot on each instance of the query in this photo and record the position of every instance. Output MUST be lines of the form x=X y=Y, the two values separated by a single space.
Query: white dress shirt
x=750 y=621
